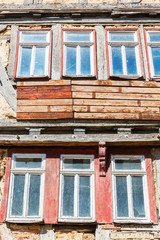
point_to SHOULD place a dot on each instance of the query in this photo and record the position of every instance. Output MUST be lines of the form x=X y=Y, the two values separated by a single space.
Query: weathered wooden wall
x=89 y=99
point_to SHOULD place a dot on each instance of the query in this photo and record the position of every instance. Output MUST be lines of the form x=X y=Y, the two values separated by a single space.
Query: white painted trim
x=129 y=173
x=27 y=173
x=77 y=173
x=78 y=44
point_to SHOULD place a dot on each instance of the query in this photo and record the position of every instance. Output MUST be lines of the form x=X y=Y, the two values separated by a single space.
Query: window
x=130 y=193
x=26 y=192
x=124 y=56
x=153 y=42
x=76 y=188
x=33 y=54
x=78 y=50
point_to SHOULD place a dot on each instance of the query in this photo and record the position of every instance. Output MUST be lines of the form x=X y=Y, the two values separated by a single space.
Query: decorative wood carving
x=102 y=159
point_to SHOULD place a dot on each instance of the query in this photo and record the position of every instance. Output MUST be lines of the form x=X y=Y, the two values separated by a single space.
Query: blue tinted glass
x=76 y=164
x=122 y=37
x=77 y=36
x=127 y=164
x=138 y=198
x=25 y=61
x=156 y=59
x=117 y=61
x=154 y=37
x=85 y=61
x=39 y=68
x=84 y=197
x=34 y=37
x=122 y=197
x=28 y=162
x=34 y=195
x=131 y=61
x=68 y=196
x=71 y=60
x=18 y=194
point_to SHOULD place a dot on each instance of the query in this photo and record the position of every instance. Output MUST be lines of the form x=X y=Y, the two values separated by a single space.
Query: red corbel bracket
x=102 y=159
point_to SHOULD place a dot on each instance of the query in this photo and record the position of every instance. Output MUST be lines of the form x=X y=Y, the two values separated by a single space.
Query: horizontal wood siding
x=44 y=100
x=89 y=99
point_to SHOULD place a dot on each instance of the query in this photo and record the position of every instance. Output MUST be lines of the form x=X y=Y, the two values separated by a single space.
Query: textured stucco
x=5 y=109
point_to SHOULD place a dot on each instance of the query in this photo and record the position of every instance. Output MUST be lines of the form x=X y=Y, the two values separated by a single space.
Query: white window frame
x=33 y=45
x=124 y=44
x=128 y=174
x=78 y=44
x=77 y=172
x=26 y=171
x=150 y=45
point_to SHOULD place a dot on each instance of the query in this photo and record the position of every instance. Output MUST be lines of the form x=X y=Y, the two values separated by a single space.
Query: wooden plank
x=97 y=102
x=44 y=83
x=80 y=108
x=45 y=102
x=128 y=116
x=61 y=109
x=150 y=103
x=137 y=96
x=32 y=109
x=94 y=89
x=147 y=84
x=82 y=94
x=150 y=116
x=113 y=109
x=48 y=115
x=140 y=90
x=100 y=82
x=43 y=92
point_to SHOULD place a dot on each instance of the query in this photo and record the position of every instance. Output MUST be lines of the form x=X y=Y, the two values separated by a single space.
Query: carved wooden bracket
x=102 y=159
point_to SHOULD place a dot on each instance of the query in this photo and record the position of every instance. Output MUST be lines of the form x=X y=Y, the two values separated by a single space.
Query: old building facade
x=79 y=120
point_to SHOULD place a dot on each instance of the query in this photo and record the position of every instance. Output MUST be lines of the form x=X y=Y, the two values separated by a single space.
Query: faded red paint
x=3 y=208
x=150 y=180
x=103 y=195
x=147 y=55
x=51 y=190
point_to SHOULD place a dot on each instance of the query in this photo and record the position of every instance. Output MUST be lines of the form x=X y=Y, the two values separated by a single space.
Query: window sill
x=77 y=220
x=79 y=76
x=133 y=221
x=31 y=78
x=24 y=220
x=130 y=77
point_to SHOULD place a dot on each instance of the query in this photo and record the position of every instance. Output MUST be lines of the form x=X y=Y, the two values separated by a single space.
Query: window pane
x=68 y=196
x=18 y=194
x=28 y=162
x=122 y=197
x=85 y=61
x=34 y=37
x=154 y=37
x=39 y=68
x=25 y=61
x=156 y=59
x=122 y=37
x=138 y=198
x=127 y=164
x=117 y=61
x=77 y=36
x=71 y=60
x=131 y=61
x=34 y=195
x=76 y=164
x=84 y=197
